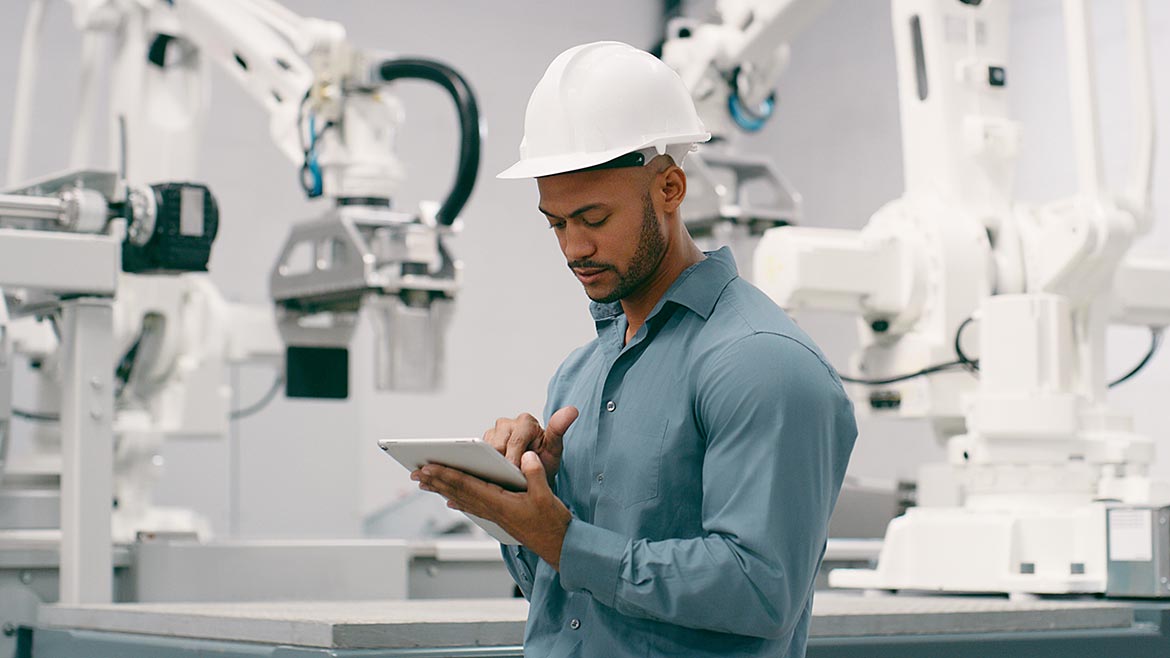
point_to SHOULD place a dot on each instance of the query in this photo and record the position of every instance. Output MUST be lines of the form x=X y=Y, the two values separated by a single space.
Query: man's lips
x=588 y=274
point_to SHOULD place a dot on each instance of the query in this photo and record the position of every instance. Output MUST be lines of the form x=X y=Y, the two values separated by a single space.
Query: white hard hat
x=599 y=101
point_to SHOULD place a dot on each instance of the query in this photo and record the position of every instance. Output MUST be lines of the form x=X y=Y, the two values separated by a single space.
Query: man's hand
x=515 y=436
x=537 y=518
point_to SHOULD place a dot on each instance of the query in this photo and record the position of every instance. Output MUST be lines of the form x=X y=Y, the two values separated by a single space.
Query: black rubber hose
x=465 y=103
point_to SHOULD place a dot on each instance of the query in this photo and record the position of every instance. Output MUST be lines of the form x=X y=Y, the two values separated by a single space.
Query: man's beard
x=647 y=258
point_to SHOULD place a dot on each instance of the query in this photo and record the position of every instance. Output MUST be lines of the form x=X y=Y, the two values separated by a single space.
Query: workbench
x=844 y=625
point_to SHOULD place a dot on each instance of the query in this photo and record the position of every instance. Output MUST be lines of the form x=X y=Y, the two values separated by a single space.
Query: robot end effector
x=731 y=66
x=356 y=257
x=361 y=254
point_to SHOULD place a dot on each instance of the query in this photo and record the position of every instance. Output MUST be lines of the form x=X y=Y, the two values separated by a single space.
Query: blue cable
x=312 y=168
x=749 y=120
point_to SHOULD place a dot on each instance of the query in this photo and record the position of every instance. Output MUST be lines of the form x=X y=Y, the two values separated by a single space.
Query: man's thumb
x=560 y=421
x=533 y=472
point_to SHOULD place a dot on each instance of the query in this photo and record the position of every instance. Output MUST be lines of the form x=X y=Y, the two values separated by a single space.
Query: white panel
x=67 y=262
x=1131 y=535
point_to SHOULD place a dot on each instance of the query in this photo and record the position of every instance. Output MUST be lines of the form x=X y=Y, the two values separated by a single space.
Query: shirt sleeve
x=520 y=561
x=521 y=564
x=779 y=430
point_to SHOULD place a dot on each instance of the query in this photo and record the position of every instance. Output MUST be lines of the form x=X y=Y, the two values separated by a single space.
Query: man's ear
x=673 y=186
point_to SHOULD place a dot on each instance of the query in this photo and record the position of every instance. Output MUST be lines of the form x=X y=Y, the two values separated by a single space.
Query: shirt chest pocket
x=634 y=463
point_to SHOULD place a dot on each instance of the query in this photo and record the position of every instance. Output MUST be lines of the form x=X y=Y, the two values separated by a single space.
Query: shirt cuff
x=519 y=566
x=591 y=559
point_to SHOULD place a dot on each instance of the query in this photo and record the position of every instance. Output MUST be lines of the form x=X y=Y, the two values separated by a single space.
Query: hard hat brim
x=566 y=163
x=559 y=164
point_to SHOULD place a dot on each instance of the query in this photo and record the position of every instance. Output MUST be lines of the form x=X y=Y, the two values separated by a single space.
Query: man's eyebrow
x=576 y=213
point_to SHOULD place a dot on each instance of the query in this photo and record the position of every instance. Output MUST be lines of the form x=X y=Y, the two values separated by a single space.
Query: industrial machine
x=732 y=65
x=977 y=313
x=129 y=333
x=982 y=315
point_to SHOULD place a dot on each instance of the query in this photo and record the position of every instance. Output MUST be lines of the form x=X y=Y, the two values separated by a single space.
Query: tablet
x=472 y=456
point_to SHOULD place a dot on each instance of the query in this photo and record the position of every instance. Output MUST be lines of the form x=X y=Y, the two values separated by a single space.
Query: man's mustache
x=589 y=265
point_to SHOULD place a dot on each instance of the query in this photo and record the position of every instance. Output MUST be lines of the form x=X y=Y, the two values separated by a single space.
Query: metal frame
x=82 y=270
x=1148 y=637
x=79 y=264
x=62 y=643
x=87 y=449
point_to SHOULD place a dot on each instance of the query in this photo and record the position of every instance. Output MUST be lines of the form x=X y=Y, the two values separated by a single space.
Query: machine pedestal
x=1097 y=548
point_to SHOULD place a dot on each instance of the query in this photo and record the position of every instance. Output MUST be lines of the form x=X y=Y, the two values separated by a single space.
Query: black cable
x=126 y=364
x=305 y=147
x=237 y=414
x=262 y=402
x=971 y=364
x=36 y=416
x=469 y=126
x=1155 y=343
x=901 y=378
x=301 y=122
x=310 y=171
x=963 y=362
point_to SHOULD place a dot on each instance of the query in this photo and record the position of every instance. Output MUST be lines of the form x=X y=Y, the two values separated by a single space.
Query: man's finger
x=558 y=424
x=523 y=431
x=534 y=472
x=453 y=483
x=517 y=444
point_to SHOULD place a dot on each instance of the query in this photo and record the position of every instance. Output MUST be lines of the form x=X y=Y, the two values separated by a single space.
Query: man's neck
x=638 y=305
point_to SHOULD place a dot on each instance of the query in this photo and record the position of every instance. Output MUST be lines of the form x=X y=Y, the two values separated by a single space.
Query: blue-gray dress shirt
x=700 y=474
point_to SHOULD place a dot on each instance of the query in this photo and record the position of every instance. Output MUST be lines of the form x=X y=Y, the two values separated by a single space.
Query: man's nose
x=576 y=242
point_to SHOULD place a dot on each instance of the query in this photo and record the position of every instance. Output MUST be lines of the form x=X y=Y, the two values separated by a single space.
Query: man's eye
x=596 y=222
x=556 y=226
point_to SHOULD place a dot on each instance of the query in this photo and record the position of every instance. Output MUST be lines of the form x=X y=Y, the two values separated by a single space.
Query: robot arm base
x=831 y=269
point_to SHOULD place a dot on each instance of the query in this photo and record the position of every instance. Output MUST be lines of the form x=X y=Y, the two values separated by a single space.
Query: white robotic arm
x=1033 y=448
x=299 y=70
x=731 y=64
x=332 y=116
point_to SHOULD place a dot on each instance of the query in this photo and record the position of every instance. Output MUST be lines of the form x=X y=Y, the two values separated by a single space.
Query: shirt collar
x=697 y=288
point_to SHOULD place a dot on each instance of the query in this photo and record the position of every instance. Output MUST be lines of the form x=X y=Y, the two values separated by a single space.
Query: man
x=679 y=493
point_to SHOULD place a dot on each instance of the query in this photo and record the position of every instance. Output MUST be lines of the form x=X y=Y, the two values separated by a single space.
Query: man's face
x=607 y=227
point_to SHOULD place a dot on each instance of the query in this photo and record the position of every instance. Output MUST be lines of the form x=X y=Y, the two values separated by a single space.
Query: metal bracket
x=104 y=182
x=364 y=256
x=719 y=192
x=329 y=264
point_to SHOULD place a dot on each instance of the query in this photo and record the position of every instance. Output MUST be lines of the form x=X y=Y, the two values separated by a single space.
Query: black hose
x=36 y=416
x=465 y=103
x=1155 y=343
x=942 y=367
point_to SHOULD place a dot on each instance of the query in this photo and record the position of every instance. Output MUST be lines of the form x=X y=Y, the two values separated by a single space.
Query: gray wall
x=312 y=469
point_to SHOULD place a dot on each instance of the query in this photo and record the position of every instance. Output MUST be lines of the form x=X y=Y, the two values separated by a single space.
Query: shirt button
x=601 y=477
x=610 y=406
x=575 y=624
